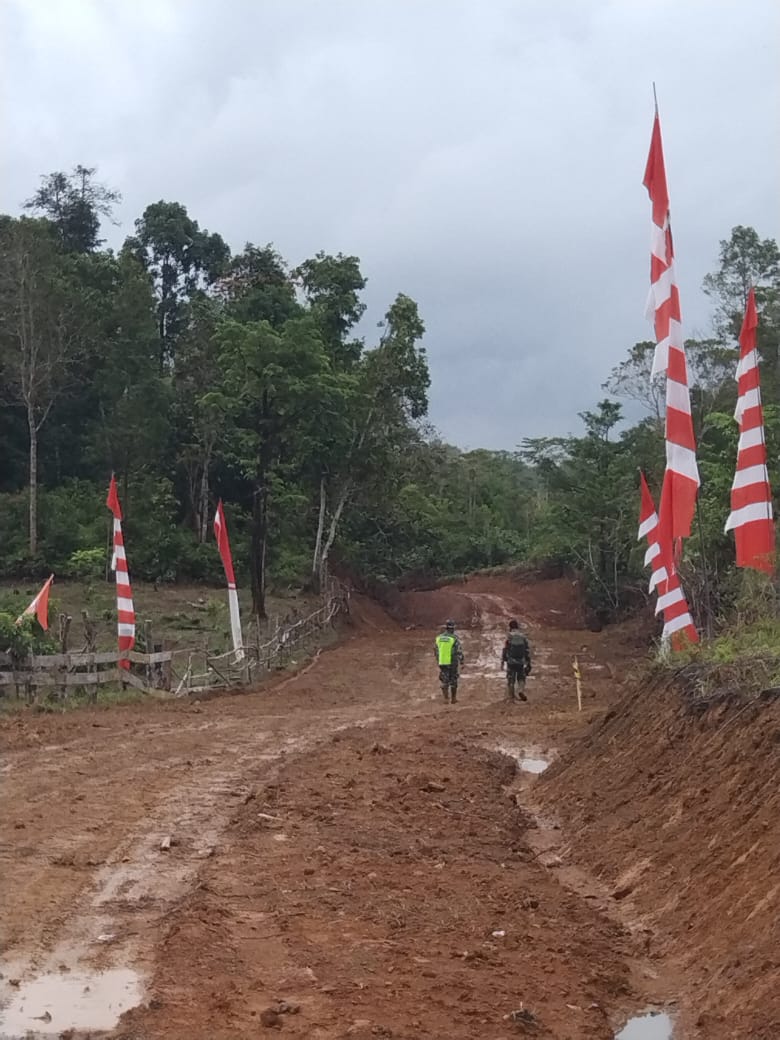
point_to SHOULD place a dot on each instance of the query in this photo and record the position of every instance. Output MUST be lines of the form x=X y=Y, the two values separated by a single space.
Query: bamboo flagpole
x=578 y=681
x=220 y=531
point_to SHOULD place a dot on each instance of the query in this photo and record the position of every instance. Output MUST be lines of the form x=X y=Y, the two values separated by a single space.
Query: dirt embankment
x=676 y=806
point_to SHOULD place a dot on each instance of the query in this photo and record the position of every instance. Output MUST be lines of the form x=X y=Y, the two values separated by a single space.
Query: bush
x=86 y=563
x=14 y=543
x=24 y=638
x=73 y=517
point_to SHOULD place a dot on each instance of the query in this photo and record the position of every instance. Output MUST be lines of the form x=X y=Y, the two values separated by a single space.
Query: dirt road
x=340 y=855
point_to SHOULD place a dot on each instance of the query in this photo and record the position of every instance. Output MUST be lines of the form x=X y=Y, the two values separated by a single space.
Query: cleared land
x=339 y=854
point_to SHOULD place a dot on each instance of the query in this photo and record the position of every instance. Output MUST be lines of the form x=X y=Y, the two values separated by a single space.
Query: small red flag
x=40 y=606
x=655 y=175
x=112 y=501
x=221 y=534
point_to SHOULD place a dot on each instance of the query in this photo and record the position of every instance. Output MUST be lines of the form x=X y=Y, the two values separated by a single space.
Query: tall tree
x=747 y=260
x=389 y=391
x=130 y=420
x=201 y=406
x=75 y=204
x=181 y=259
x=39 y=331
x=281 y=387
x=332 y=287
x=259 y=287
x=632 y=379
x=589 y=517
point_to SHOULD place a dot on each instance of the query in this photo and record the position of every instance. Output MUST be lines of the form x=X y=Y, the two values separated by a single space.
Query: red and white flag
x=223 y=544
x=671 y=598
x=125 y=612
x=40 y=606
x=681 y=479
x=648 y=528
x=677 y=616
x=751 y=517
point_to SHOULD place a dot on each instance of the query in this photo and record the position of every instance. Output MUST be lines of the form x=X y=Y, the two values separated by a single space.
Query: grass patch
x=183 y=616
x=78 y=698
x=744 y=659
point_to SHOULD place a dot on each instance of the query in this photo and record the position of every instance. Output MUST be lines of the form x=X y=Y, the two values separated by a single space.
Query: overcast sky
x=483 y=156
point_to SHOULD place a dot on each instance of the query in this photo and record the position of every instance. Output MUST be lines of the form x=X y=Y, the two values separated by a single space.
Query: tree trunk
x=258 y=547
x=203 y=500
x=315 y=563
x=33 y=483
x=332 y=530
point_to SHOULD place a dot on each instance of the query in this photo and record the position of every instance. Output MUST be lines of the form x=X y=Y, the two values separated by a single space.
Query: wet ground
x=650 y=1026
x=342 y=855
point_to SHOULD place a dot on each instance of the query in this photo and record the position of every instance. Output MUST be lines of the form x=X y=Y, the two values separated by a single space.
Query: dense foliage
x=195 y=373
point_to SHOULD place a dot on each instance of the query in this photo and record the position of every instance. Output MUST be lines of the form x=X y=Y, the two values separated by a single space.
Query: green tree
x=258 y=287
x=201 y=406
x=75 y=204
x=41 y=331
x=632 y=379
x=281 y=389
x=389 y=391
x=589 y=516
x=332 y=287
x=181 y=259
x=746 y=261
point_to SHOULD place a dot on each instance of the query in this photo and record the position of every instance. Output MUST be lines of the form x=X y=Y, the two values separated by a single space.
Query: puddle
x=528 y=760
x=654 y=1025
x=533 y=765
x=50 y=1004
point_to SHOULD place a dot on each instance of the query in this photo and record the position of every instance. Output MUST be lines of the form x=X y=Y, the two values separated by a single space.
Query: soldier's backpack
x=517 y=647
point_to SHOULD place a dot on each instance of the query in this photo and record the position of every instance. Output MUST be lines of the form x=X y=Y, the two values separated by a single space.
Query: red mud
x=343 y=842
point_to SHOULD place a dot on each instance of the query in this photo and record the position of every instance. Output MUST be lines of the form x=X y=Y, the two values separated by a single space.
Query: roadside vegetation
x=196 y=373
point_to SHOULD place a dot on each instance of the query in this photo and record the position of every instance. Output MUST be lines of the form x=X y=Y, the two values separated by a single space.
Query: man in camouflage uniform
x=516 y=658
x=449 y=658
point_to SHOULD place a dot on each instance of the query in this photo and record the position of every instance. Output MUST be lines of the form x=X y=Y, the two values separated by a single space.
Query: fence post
x=90 y=643
x=148 y=647
x=65 y=623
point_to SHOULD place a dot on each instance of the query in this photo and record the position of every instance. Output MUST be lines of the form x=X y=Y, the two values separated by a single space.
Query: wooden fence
x=179 y=672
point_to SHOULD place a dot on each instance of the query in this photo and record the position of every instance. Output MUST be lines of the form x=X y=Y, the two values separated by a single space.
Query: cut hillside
x=673 y=802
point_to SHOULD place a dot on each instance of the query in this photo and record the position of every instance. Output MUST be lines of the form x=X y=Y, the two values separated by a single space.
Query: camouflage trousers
x=448 y=680
x=515 y=681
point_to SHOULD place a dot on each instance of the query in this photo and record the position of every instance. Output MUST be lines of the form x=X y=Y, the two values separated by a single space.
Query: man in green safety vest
x=449 y=658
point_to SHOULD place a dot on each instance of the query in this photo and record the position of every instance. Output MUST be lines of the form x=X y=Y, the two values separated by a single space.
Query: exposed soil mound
x=367 y=615
x=552 y=602
x=431 y=608
x=675 y=804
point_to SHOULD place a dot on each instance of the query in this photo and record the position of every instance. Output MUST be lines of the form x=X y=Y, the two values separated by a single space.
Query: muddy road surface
x=338 y=854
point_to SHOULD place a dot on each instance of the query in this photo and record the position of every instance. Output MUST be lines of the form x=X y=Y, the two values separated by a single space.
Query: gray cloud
x=485 y=158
